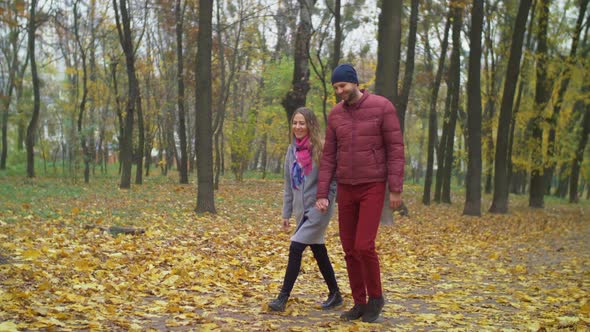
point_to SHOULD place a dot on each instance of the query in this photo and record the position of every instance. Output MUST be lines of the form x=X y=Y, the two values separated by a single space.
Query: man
x=364 y=149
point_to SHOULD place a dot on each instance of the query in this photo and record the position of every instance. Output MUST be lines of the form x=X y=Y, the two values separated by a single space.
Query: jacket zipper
x=352 y=144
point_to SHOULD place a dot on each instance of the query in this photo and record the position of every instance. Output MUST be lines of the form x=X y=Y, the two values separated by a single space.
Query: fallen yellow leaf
x=8 y=327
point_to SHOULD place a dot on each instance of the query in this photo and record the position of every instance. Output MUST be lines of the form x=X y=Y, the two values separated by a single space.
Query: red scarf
x=303 y=154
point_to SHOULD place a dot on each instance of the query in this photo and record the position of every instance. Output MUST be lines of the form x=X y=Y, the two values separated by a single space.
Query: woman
x=301 y=175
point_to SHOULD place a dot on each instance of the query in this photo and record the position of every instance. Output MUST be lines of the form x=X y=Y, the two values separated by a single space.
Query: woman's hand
x=322 y=204
x=285 y=224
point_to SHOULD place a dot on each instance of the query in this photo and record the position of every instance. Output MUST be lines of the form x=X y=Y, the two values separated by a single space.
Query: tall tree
x=473 y=180
x=542 y=97
x=581 y=110
x=123 y=22
x=565 y=80
x=518 y=185
x=93 y=147
x=388 y=50
x=500 y=199
x=320 y=65
x=82 y=107
x=32 y=127
x=226 y=77
x=581 y=146
x=141 y=142
x=402 y=104
x=10 y=51
x=432 y=118
x=183 y=165
x=453 y=102
x=400 y=100
x=297 y=95
x=286 y=18
x=493 y=81
x=205 y=188
x=336 y=49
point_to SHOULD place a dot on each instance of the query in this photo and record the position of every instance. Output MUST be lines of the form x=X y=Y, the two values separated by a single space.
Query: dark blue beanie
x=344 y=73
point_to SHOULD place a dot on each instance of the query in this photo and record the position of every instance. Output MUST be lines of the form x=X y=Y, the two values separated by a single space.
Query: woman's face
x=299 y=126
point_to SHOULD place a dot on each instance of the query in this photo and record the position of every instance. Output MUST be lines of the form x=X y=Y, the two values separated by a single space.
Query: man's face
x=346 y=91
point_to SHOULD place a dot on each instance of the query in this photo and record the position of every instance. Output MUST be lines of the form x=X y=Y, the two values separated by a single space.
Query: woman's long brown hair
x=313 y=128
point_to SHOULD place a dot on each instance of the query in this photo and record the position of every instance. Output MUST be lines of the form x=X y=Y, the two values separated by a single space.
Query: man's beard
x=351 y=96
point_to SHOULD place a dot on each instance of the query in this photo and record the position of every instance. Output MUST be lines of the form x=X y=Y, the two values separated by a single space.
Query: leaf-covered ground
x=527 y=270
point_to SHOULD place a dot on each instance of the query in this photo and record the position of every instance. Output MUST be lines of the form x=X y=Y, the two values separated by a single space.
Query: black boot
x=374 y=307
x=334 y=300
x=354 y=313
x=279 y=303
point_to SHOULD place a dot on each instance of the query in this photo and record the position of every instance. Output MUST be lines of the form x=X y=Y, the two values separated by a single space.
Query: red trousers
x=359 y=213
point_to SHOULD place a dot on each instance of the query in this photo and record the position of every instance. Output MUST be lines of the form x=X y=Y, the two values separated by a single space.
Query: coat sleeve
x=287 y=189
x=394 y=147
x=327 y=164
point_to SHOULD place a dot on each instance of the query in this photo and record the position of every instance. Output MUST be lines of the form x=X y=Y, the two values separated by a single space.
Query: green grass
x=17 y=190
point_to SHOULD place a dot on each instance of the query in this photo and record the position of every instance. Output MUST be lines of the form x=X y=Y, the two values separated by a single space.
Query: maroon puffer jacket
x=364 y=143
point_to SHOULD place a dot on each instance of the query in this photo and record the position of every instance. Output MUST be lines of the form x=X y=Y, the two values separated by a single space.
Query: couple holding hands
x=363 y=150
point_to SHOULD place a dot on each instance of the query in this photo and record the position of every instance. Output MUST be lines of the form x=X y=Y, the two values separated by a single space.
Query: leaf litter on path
x=441 y=271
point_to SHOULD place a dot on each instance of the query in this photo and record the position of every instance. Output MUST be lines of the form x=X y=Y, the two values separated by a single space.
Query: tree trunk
x=563 y=183
x=93 y=147
x=432 y=118
x=32 y=127
x=19 y=87
x=140 y=137
x=520 y=188
x=81 y=134
x=121 y=120
x=133 y=101
x=172 y=156
x=286 y=19
x=183 y=164
x=455 y=88
x=442 y=144
x=388 y=51
x=205 y=189
x=565 y=80
x=581 y=147
x=296 y=97
x=224 y=91
x=7 y=95
x=473 y=183
x=337 y=35
x=409 y=71
x=542 y=97
x=501 y=185
x=492 y=82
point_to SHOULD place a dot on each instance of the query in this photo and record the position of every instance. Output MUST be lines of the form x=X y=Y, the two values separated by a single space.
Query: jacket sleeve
x=327 y=164
x=394 y=147
x=287 y=189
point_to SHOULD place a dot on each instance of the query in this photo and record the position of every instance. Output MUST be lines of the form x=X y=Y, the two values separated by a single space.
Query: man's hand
x=285 y=224
x=395 y=200
x=322 y=204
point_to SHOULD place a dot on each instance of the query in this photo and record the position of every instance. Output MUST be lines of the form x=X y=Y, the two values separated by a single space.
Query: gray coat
x=301 y=203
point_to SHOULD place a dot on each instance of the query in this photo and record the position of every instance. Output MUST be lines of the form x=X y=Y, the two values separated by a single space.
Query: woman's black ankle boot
x=279 y=303
x=334 y=300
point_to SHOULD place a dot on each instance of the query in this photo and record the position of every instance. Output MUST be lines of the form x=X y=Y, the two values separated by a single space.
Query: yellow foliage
x=440 y=270
x=8 y=327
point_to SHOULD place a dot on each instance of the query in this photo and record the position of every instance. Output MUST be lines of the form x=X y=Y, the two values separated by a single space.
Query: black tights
x=320 y=253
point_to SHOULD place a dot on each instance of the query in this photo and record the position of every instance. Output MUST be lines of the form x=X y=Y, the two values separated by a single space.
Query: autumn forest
x=142 y=149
